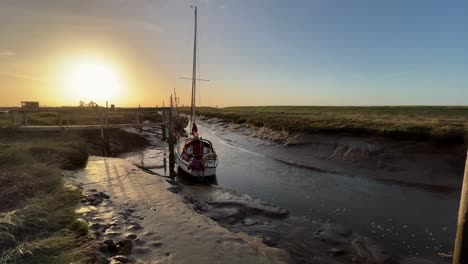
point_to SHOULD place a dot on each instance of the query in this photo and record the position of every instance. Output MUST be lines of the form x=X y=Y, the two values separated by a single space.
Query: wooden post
x=165 y=161
x=460 y=253
x=13 y=118
x=102 y=125
x=163 y=127
x=60 y=120
x=25 y=119
x=140 y=126
x=107 y=114
x=171 y=146
x=103 y=141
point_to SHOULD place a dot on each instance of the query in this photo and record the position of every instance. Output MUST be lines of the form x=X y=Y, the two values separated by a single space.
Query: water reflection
x=414 y=219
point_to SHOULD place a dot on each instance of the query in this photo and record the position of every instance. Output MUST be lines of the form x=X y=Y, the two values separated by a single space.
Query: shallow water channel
x=406 y=219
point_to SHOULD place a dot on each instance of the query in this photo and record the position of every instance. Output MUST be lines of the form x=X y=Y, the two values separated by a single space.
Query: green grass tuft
x=80 y=226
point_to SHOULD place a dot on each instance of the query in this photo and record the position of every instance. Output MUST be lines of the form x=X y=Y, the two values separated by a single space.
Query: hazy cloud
x=22 y=77
x=7 y=53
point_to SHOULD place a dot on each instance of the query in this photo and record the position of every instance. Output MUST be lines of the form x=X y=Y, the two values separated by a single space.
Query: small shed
x=30 y=106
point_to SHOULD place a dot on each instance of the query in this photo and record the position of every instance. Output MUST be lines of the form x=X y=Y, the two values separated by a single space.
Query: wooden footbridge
x=66 y=119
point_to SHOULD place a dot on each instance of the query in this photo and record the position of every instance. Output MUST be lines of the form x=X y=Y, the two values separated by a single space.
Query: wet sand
x=140 y=215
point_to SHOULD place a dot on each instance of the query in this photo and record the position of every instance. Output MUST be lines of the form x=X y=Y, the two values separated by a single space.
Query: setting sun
x=270 y=131
x=92 y=80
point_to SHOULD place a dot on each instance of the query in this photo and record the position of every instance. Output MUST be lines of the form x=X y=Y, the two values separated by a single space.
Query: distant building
x=30 y=106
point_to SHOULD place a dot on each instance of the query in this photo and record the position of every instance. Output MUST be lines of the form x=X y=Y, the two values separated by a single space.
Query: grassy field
x=37 y=212
x=445 y=124
x=77 y=116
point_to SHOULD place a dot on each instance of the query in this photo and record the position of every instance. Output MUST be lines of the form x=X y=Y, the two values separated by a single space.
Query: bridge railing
x=52 y=119
x=76 y=118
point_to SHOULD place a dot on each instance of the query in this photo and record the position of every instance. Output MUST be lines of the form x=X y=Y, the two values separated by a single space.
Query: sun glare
x=92 y=81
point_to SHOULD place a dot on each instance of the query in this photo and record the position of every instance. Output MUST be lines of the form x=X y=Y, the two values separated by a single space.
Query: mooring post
x=140 y=125
x=25 y=119
x=103 y=140
x=107 y=114
x=137 y=116
x=102 y=125
x=163 y=126
x=60 y=120
x=171 y=146
x=165 y=161
x=12 y=118
x=460 y=253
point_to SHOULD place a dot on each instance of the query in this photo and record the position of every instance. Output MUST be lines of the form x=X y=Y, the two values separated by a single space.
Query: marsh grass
x=78 y=117
x=61 y=247
x=433 y=123
x=37 y=212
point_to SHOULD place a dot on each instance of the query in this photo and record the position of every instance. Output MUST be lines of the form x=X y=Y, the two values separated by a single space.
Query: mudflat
x=144 y=210
x=405 y=161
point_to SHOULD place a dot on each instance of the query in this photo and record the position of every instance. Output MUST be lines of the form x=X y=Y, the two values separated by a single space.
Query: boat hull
x=183 y=165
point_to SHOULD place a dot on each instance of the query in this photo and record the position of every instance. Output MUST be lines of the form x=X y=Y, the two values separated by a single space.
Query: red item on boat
x=195 y=130
x=197 y=149
x=197 y=165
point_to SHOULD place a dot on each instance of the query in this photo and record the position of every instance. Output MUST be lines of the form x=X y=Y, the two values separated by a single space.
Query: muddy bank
x=138 y=217
x=142 y=218
x=413 y=220
x=308 y=241
x=421 y=163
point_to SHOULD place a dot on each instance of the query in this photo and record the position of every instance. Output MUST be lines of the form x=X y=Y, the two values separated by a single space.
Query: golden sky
x=263 y=52
x=43 y=42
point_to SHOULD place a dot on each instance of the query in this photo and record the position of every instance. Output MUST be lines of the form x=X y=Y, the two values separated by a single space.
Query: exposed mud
x=306 y=240
x=408 y=219
x=379 y=158
x=136 y=217
x=253 y=220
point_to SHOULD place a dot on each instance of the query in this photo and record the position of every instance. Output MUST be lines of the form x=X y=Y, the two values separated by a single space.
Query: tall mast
x=194 y=73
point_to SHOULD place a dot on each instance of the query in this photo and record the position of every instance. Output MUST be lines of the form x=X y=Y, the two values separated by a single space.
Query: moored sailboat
x=195 y=155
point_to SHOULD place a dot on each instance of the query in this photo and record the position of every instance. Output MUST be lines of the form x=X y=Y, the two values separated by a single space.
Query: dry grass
x=78 y=116
x=61 y=247
x=446 y=124
x=37 y=212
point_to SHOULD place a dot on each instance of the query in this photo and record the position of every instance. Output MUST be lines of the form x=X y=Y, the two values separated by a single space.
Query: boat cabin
x=201 y=149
